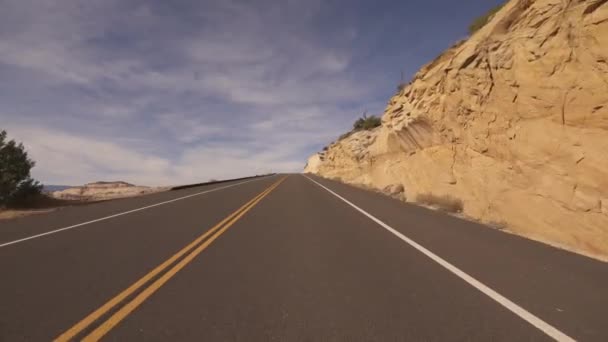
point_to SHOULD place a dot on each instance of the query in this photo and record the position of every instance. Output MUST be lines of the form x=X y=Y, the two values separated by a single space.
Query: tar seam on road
x=516 y=309
x=170 y=267
x=121 y=214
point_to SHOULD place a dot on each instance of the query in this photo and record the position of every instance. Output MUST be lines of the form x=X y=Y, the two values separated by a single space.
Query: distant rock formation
x=98 y=191
x=512 y=121
x=105 y=185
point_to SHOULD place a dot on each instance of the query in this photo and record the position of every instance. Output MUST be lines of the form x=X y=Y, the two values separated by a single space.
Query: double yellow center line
x=186 y=254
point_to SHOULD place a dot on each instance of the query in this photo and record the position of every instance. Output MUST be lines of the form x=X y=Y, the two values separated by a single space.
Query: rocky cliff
x=512 y=121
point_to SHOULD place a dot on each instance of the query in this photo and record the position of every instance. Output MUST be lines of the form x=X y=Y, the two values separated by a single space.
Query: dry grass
x=34 y=205
x=446 y=203
x=481 y=21
x=7 y=214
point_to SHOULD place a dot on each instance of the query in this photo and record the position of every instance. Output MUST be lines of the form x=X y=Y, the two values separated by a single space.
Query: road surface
x=287 y=258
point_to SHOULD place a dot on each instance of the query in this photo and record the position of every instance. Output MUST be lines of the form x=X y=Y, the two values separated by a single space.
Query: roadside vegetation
x=364 y=123
x=17 y=187
x=446 y=203
x=481 y=21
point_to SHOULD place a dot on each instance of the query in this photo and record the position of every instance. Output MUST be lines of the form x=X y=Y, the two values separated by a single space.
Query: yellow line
x=104 y=328
x=78 y=327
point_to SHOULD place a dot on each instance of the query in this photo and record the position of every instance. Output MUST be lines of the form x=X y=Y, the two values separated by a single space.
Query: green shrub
x=16 y=184
x=367 y=123
x=481 y=21
x=364 y=123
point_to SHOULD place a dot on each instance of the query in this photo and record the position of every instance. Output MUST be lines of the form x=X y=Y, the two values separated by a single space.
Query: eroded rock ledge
x=513 y=121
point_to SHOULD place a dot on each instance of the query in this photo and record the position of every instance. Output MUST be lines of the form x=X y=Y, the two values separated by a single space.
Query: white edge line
x=123 y=213
x=516 y=309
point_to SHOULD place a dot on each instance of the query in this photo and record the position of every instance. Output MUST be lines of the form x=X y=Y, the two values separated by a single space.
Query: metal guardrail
x=187 y=186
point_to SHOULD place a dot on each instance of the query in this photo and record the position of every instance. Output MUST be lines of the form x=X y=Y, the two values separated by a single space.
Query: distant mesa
x=104 y=190
x=106 y=185
x=53 y=188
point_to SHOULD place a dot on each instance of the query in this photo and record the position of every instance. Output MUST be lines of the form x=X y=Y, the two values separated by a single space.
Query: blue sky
x=168 y=92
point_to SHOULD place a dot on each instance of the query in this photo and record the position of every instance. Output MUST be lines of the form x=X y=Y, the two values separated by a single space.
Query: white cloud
x=187 y=128
x=63 y=158
x=110 y=90
x=71 y=159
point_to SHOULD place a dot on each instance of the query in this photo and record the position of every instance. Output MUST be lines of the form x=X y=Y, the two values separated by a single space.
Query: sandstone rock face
x=395 y=191
x=513 y=121
x=313 y=163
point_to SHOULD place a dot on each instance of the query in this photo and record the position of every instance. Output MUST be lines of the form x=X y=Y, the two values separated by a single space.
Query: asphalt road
x=283 y=258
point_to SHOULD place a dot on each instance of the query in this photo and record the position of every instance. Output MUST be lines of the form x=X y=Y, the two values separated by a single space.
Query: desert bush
x=28 y=194
x=366 y=123
x=16 y=184
x=481 y=21
x=445 y=203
